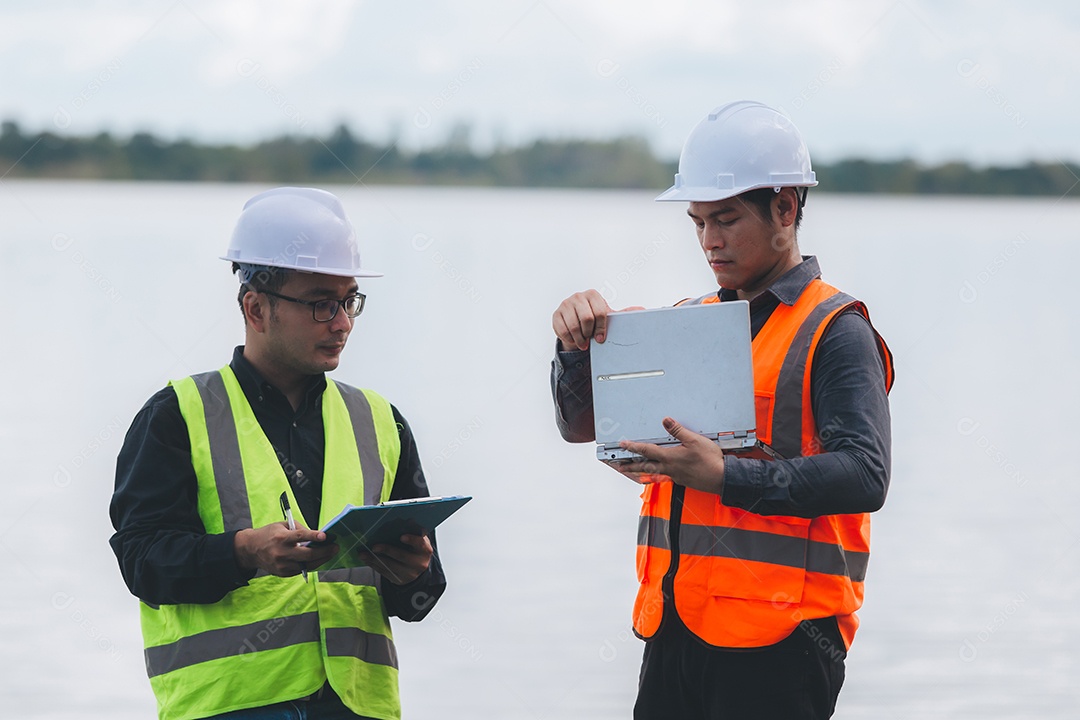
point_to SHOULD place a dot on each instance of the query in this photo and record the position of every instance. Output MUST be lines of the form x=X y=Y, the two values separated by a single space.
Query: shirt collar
x=788 y=287
x=255 y=385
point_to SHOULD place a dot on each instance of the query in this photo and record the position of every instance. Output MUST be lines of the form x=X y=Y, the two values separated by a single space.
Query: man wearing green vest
x=237 y=619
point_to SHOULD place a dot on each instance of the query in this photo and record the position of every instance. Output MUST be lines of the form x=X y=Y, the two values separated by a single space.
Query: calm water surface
x=112 y=289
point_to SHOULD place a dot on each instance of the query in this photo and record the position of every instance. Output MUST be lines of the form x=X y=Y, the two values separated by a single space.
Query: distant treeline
x=343 y=157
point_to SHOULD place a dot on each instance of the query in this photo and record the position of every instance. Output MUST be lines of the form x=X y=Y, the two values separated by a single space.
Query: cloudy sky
x=986 y=82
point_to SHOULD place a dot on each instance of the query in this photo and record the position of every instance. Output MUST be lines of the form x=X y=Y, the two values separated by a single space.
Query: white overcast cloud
x=980 y=81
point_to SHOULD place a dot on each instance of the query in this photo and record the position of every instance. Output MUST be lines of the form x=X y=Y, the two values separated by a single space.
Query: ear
x=786 y=206
x=256 y=311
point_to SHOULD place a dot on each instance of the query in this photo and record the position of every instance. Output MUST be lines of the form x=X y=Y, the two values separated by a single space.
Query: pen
x=287 y=510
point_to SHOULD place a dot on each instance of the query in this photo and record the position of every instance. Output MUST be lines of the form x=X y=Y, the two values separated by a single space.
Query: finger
x=645 y=450
x=599 y=310
x=397 y=553
x=584 y=325
x=570 y=331
x=562 y=331
x=573 y=321
x=680 y=433
x=419 y=543
x=373 y=561
x=645 y=468
x=302 y=534
x=673 y=427
x=317 y=556
x=686 y=437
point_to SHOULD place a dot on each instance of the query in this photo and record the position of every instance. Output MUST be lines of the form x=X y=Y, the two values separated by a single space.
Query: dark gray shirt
x=847 y=396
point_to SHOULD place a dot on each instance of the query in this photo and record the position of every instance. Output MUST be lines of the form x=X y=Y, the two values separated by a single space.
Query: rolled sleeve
x=571 y=389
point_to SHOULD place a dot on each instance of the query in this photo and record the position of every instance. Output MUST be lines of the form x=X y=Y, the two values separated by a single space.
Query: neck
x=291 y=383
x=765 y=281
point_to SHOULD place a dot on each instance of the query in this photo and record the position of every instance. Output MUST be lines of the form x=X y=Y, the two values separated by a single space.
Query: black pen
x=287 y=510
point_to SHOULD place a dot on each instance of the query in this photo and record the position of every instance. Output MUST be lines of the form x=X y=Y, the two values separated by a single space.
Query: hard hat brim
x=707 y=194
x=314 y=270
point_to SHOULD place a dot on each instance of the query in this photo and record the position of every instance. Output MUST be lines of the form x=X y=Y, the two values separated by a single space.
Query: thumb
x=679 y=432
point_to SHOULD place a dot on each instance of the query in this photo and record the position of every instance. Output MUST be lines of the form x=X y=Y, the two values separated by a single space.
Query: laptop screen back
x=691 y=363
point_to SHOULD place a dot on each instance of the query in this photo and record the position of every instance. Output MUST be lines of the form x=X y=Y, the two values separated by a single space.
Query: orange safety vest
x=746 y=580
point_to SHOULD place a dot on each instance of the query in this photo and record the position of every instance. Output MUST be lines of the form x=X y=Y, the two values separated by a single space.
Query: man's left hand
x=400 y=565
x=696 y=463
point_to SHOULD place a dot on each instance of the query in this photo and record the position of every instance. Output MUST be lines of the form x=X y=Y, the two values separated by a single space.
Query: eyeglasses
x=326 y=310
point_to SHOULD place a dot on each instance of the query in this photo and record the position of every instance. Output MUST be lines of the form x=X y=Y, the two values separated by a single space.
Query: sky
x=990 y=82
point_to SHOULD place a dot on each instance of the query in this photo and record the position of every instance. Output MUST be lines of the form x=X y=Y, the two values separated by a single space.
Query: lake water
x=112 y=289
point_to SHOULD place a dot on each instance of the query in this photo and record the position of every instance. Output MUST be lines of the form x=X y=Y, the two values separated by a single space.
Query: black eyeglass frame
x=333 y=305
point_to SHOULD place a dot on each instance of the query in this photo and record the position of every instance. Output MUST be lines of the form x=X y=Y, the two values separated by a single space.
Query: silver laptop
x=691 y=363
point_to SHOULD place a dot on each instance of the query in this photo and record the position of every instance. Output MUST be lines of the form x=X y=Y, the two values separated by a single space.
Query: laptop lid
x=692 y=363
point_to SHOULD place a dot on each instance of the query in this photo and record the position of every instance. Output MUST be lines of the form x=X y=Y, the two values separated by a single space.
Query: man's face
x=745 y=251
x=296 y=341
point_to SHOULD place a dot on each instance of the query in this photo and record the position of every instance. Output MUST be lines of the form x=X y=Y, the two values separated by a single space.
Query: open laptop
x=691 y=363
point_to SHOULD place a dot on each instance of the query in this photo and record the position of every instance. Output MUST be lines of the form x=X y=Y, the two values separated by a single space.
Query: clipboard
x=364 y=526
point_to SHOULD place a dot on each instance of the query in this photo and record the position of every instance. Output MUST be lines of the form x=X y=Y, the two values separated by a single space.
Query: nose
x=341 y=322
x=711 y=236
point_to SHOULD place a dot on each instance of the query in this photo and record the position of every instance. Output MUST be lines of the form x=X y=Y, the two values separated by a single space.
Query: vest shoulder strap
x=380 y=451
x=703 y=300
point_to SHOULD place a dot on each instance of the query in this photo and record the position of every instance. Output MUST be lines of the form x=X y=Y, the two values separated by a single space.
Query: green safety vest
x=276 y=638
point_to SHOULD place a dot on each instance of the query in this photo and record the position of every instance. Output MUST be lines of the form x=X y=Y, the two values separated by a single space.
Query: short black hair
x=762 y=200
x=266 y=278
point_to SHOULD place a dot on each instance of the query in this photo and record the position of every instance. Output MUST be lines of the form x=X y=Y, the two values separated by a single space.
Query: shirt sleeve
x=851 y=410
x=164 y=552
x=571 y=388
x=413 y=601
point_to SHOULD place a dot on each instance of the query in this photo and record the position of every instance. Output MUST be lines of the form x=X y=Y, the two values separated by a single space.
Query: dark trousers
x=682 y=678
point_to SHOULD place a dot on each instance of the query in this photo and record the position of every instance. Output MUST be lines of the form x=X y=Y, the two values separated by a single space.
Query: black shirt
x=848 y=399
x=165 y=553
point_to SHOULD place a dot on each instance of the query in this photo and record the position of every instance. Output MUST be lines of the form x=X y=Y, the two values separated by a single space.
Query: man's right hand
x=274 y=548
x=579 y=318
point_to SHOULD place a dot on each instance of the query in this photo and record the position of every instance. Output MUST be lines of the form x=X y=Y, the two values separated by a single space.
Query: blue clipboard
x=360 y=527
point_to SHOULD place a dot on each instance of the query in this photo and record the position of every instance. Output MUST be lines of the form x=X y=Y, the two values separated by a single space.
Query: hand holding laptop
x=696 y=462
x=582 y=317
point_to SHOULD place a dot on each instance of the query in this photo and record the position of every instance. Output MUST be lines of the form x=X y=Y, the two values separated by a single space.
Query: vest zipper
x=668 y=584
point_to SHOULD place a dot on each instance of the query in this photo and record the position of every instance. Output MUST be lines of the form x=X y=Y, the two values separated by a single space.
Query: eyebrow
x=716 y=213
x=324 y=292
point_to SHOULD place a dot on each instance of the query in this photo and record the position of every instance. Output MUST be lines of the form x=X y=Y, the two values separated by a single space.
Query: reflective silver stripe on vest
x=228 y=642
x=366 y=442
x=354 y=642
x=224 y=451
x=767 y=547
x=352 y=576
x=832 y=559
x=653 y=531
x=787 y=410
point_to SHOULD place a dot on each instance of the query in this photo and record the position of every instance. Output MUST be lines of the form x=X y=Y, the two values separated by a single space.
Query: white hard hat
x=740 y=146
x=297 y=228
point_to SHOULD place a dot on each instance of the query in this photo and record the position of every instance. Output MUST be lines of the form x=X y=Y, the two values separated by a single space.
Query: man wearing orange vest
x=751 y=569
